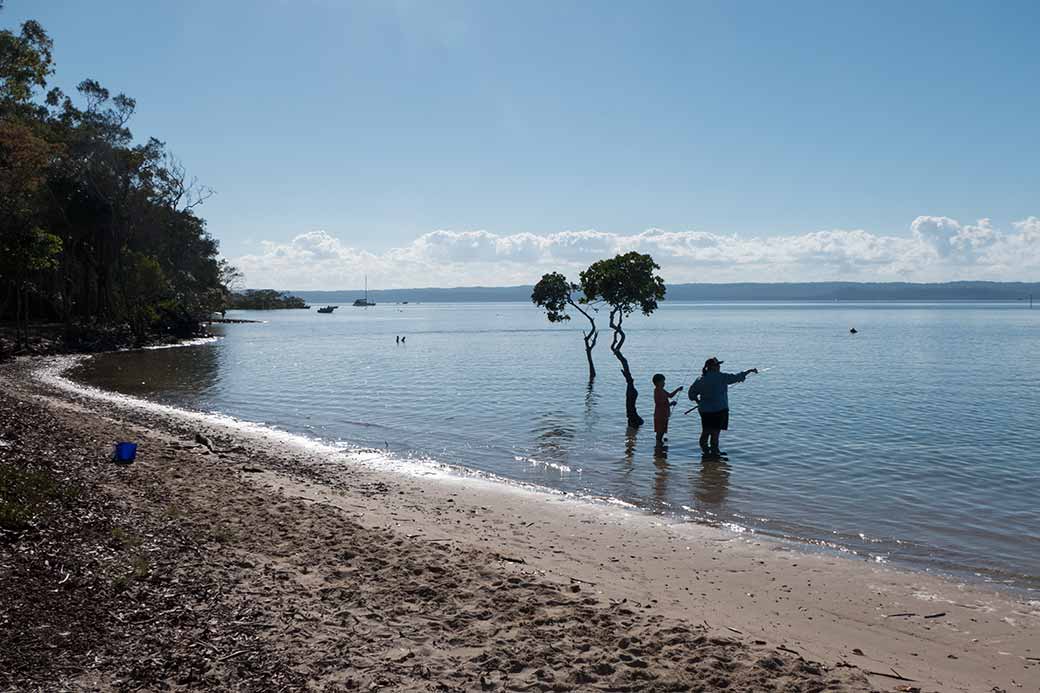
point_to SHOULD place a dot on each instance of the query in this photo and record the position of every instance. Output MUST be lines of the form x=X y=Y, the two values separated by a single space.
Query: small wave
x=52 y=373
x=618 y=501
x=198 y=341
x=562 y=468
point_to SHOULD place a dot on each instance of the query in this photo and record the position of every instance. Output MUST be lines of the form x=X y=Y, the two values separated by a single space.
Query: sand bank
x=387 y=580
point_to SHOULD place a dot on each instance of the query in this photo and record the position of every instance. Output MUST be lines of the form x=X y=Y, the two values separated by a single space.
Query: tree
x=625 y=283
x=264 y=299
x=94 y=229
x=23 y=254
x=554 y=293
x=25 y=61
x=26 y=249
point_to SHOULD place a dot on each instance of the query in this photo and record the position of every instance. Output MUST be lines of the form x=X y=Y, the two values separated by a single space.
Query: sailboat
x=364 y=302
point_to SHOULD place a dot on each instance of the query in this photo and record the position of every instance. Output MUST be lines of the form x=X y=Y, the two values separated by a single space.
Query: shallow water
x=914 y=441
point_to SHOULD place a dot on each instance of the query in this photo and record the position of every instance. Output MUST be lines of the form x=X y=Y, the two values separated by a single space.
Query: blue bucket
x=124 y=453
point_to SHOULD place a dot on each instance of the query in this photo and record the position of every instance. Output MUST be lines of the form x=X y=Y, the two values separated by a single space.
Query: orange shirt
x=662 y=405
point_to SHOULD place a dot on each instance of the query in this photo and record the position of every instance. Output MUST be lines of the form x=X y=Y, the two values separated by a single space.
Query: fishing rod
x=692 y=377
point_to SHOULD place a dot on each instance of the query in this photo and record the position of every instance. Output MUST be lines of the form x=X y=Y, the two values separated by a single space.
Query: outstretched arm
x=674 y=392
x=730 y=378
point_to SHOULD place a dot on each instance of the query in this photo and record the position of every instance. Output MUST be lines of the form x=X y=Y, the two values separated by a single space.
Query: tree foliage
x=25 y=61
x=265 y=299
x=625 y=283
x=95 y=229
x=553 y=293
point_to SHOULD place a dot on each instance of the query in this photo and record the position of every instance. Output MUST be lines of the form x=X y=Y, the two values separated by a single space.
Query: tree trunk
x=631 y=394
x=588 y=353
x=17 y=318
x=66 y=289
x=6 y=300
x=21 y=321
x=590 y=338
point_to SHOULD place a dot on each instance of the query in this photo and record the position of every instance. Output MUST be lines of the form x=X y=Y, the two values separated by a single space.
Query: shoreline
x=1024 y=589
x=824 y=607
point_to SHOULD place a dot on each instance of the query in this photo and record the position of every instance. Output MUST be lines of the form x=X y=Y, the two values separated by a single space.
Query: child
x=662 y=407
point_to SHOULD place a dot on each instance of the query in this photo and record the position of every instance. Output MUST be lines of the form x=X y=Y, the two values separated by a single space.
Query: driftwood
x=894 y=675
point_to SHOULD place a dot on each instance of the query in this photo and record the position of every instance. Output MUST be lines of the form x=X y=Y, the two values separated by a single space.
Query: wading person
x=662 y=407
x=711 y=392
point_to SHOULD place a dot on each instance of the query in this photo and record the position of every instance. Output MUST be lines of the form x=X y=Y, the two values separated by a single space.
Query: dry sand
x=360 y=578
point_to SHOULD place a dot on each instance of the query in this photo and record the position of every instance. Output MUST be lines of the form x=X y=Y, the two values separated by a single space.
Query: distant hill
x=811 y=291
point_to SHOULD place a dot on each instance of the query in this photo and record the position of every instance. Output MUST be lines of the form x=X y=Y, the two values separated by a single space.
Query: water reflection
x=626 y=475
x=553 y=439
x=630 y=444
x=661 y=475
x=173 y=375
x=711 y=485
x=591 y=400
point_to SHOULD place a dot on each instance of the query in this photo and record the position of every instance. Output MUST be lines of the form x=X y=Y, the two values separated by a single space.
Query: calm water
x=915 y=441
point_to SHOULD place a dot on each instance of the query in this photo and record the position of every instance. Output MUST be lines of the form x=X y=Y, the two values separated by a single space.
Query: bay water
x=915 y=441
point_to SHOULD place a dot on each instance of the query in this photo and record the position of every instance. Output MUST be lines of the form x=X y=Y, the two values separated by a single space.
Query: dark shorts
x=715 y=420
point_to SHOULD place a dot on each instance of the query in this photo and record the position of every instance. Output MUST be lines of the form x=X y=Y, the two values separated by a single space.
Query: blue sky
x=384 y=137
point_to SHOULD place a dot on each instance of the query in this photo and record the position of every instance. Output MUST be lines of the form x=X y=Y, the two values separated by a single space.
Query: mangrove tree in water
x=625 y=283
x=554 y=293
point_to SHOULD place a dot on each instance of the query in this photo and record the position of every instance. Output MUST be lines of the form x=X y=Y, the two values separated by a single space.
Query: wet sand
x=374 y=580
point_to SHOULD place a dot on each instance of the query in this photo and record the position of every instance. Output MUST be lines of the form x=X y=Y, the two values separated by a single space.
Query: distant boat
x=327 y=309
x=364 y=302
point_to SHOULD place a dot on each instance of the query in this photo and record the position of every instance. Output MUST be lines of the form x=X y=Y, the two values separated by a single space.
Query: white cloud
x=936 y=249
x=949 y=239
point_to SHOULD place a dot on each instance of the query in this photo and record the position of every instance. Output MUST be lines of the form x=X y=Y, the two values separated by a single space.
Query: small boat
x=364 y=302
x=327 y=309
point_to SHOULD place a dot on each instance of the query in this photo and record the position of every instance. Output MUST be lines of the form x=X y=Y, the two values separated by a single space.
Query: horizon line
x=680 y=284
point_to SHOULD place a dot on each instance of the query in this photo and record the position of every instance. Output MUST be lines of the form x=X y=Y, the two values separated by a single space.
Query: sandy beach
x=228 y=559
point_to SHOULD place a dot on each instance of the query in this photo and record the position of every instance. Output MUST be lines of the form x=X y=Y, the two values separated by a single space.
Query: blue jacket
x=713 y=388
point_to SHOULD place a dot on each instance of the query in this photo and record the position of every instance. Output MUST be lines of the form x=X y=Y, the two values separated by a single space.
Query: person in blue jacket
x=711 y=392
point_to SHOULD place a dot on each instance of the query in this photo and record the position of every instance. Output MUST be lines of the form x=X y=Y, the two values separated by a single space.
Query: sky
x=450 y=143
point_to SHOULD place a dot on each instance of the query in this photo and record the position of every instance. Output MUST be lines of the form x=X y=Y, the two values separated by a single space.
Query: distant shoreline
x=822 y=292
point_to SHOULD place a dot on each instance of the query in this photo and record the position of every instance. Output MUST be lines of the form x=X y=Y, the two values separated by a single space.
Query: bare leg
x=704 y=440
x=715 y=441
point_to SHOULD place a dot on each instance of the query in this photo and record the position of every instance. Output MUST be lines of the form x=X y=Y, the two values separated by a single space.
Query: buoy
x=853 y=331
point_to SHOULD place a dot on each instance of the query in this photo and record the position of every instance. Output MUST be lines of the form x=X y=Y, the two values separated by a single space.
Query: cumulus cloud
x=948 y=238
x=935 y=249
